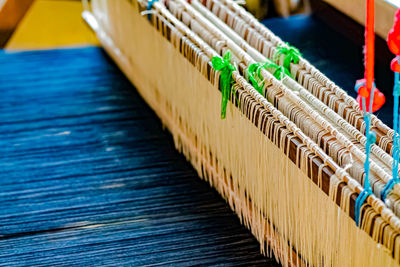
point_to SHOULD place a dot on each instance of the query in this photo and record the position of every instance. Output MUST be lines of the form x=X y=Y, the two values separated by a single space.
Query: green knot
x=254 y=73
x=290 y=54
x=225 y=80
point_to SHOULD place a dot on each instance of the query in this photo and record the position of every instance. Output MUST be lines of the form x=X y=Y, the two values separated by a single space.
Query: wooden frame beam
x=11 y=13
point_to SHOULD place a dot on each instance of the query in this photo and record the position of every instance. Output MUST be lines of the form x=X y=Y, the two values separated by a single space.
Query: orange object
x=370 y=45
x=379 y=100
x=393 y=39
x=363 y=92
x=394 y=65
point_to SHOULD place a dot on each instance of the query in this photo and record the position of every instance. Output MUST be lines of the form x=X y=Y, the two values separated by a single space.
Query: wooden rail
x=11 y=13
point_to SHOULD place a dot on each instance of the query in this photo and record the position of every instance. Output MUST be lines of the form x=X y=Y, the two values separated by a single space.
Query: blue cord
x=396 y=138
x=359 y=201
x=371 y=139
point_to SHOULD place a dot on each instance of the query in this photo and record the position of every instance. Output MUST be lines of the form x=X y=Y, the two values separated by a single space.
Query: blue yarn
x=396 y=94
x=359 y=201
x=149 y=7
x=371 y=139
x=396 y=139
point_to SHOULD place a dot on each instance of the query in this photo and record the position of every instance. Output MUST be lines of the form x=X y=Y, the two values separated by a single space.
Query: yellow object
x=52 y=24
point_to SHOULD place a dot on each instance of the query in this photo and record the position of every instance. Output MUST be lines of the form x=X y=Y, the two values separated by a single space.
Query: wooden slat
x=384 y=13
x=11 y=12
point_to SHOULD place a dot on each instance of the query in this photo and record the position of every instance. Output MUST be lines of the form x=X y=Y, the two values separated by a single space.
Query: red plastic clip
x=394 y=65
x=361 y=89
x=393 y=39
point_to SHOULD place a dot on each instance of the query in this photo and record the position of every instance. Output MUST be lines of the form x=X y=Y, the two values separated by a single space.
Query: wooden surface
x=89 y=177
x=11 y=12
x=52 y=24
x=384 y=13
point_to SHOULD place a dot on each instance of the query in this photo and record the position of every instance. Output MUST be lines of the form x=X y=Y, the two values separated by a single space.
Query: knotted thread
x=226 y=68
x=290 y=54
x=254 y=73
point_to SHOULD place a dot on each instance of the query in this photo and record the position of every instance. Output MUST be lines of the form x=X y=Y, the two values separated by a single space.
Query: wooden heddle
x=288 y=157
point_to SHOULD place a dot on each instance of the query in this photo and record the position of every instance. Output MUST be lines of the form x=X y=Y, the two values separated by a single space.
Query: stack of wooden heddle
x=288 y=151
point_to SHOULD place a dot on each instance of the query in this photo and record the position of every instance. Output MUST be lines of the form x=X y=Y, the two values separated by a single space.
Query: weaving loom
x=287 y=156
